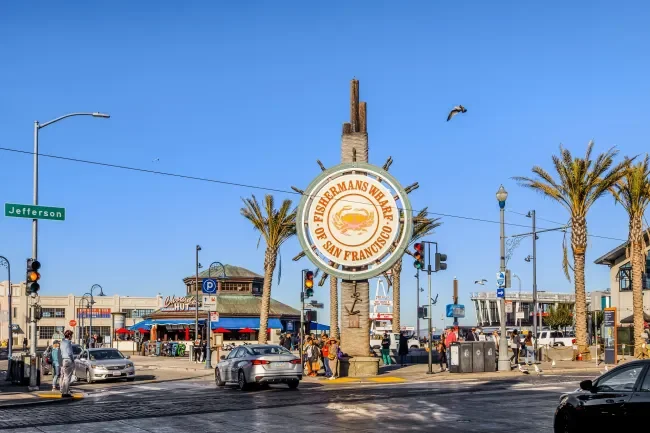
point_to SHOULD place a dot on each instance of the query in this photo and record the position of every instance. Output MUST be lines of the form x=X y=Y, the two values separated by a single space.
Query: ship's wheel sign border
x=376 y=236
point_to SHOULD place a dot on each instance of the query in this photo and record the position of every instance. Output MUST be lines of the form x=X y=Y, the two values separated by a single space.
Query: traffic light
x=309 y=284
x=419 y=256
x=440 y=262
x=32 y=276
x=423 y=312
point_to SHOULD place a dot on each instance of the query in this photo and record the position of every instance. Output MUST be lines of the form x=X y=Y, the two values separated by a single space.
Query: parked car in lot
x=46 y=368
x=258 y=364
x=555 y=339
x=617 y=400
x=102 y=364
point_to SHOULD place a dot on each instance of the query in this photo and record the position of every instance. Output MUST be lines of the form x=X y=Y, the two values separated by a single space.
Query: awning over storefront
x=318 y=327
x=244 y=322
x=148 y=323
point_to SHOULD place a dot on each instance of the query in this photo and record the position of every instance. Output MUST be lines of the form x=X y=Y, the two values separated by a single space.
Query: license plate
x=280 y=364
x=117 y=373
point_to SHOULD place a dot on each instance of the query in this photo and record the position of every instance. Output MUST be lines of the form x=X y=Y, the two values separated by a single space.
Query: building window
x=53 y=313
x=257 y=289
x=47 y=332
x=102 y=331
x=625 y=278
x=234 y=287
x=15 y=312
x=137 y=313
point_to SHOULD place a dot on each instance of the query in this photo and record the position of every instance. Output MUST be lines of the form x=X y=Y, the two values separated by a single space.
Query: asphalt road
x=197 y=405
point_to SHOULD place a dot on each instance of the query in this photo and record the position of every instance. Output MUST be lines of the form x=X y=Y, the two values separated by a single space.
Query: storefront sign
x=97 y=313
x=350 y=217
x=383 y=302
x=172 y=303
x=381 y=316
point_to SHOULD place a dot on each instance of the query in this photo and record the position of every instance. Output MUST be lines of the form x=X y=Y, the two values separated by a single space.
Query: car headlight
x=129 y=364
x=98 y=367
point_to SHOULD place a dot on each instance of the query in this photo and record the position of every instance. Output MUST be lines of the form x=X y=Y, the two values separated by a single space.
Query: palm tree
x=275 y=226
x=633 y=193
x=581 y=181
x=422 y=227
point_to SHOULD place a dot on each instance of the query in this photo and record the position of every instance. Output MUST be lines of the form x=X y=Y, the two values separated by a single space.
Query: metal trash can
x=454 y=358
x=478 y=356
x=466 y=357
x=490 y=356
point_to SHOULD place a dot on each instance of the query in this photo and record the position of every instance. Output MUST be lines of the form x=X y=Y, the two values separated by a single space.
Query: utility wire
x=243 y=185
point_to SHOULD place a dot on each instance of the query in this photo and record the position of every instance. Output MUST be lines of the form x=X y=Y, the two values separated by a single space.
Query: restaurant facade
x=238 y=306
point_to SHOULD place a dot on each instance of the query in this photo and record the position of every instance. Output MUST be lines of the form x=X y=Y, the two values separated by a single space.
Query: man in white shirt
x=67 y=369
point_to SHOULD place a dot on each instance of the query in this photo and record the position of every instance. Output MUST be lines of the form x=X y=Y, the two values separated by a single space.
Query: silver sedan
x=259 y=364
x=103 y=364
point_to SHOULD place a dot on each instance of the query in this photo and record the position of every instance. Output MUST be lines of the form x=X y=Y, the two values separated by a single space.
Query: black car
x=618 y=399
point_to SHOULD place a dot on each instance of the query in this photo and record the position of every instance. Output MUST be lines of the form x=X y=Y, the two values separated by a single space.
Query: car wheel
x=564 y=422
x=217 y=378
x=293 y=384
x=130 y=379
x=241 y=381
x=415 y=347
x=88 y=378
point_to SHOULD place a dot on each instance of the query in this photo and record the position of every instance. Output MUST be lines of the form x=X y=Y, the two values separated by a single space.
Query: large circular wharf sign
x=354 y=221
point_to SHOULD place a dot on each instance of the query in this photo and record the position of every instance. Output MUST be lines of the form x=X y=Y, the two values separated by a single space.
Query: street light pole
x=196 y=287
x=532 y=215
x=5 y=262
x=504 y=361
x=37 y=127
x=92 y=302
x=208 y=355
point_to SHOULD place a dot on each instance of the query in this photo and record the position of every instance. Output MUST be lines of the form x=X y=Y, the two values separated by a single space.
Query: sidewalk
x=413 y=372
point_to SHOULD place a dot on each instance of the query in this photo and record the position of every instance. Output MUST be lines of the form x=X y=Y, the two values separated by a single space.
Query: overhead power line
x=243 y=185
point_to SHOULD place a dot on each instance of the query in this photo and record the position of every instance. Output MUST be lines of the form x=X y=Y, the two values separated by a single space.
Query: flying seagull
x=481 y=282
x=156 y=160
x=457 y=109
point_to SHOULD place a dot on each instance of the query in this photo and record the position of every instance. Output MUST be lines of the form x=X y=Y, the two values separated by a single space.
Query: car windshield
x=101 y=355
x=270 y=350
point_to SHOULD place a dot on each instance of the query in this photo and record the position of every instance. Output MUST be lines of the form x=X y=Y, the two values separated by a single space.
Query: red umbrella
x=123 y=331
x=247 y=331
x=143 y=331
x=220 y=331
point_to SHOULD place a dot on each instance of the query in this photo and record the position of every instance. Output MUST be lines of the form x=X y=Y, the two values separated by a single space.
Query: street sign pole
x=430 y=369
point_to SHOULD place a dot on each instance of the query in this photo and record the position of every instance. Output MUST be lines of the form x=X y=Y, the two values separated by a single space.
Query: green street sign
x=34 y=212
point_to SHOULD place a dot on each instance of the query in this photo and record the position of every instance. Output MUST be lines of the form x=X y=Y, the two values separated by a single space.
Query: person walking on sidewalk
x=67 y=365
x=325 y=352
x=385 y=349
x=403 y=348
x=442 y=353
x=452 y=337
x=515 y=343
x=57 y=363
x=333 y=355
x=530 y=350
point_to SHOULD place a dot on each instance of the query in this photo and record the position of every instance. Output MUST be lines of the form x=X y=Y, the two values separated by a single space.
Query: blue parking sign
x=209 y=286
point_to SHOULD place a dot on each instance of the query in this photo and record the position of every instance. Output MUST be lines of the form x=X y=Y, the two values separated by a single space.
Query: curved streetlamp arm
x=97 y=286
x=223 y=269
x=95 y=114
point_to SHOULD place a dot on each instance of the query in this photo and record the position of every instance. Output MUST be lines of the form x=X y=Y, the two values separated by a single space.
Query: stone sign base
x=359 y=366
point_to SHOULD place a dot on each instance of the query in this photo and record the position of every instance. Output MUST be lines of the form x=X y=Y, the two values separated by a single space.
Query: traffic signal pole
x=302 y=317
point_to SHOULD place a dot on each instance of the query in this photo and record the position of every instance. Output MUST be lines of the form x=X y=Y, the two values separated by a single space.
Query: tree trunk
x=334 y=307
x=579 y=246
x=397 y=275
x=638 y=268
x=270 y=258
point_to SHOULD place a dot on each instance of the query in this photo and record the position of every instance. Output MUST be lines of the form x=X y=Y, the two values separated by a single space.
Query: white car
x=103 y=364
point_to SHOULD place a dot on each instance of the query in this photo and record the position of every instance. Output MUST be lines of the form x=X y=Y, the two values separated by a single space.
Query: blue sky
x=253 y=92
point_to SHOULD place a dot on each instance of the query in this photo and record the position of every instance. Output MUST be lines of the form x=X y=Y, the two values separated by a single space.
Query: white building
x=620 y=277
x=519 y=306
x=59 y=311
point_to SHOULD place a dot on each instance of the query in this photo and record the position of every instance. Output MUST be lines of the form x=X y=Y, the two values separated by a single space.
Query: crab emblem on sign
x=354 y=221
